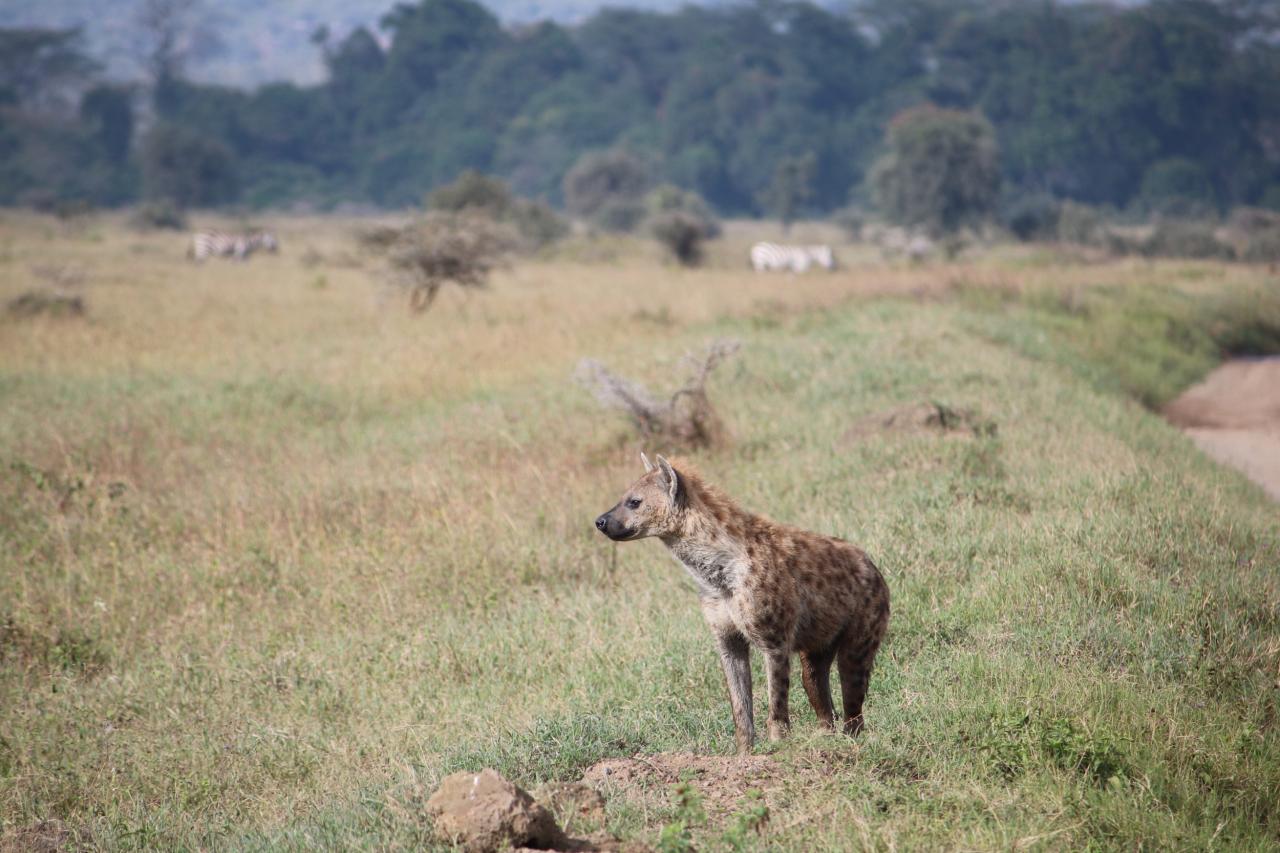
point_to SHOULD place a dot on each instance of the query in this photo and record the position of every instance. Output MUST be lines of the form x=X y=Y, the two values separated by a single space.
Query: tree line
x=768 y=107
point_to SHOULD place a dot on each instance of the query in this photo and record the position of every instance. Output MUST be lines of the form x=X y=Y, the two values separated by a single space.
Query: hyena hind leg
x=854 y=661
x=815 y=672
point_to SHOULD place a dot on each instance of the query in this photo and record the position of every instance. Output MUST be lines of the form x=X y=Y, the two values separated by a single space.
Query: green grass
x=244 y=607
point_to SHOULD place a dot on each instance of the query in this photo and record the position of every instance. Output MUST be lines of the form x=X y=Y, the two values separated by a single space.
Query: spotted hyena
x=768 y=585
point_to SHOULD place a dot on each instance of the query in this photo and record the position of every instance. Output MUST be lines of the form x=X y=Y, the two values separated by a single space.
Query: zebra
x=220 y=244
x=772 y=257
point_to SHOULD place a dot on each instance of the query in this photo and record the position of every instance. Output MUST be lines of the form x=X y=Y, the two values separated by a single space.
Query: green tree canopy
x=940 y=170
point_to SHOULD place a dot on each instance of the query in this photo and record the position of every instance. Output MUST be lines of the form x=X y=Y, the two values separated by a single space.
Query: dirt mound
x=722 y=781
x=921 y=417
x=1234 y=417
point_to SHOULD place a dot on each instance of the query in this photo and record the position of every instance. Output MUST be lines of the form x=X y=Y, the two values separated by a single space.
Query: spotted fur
x=766 y=585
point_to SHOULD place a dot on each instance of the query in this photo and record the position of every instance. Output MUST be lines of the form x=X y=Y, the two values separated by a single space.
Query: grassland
x=275 y=555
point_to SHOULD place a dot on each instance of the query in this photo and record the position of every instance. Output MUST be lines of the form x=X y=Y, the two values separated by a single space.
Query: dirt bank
x=1234 y=416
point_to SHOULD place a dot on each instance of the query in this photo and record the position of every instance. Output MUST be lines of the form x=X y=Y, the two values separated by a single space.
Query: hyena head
x=650 y=507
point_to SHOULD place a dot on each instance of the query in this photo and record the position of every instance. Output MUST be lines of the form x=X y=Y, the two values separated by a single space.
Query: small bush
x=685 y=419
x=668 y=198
x=1180 y=239
x=1033 y=217
x=158 y=216
x=1080 y=224
x=682 y=234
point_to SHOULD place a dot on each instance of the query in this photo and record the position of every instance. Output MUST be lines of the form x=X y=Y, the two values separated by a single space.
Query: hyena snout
x=610 y=526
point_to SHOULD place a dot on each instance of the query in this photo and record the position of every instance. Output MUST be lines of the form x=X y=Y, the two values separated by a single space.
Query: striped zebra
x=772 y=257
x=221 y=244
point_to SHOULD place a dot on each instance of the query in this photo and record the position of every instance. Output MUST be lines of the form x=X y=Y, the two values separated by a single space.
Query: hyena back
x=768 y=585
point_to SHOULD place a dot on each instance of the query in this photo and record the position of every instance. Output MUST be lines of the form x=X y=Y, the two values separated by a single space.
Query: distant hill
x=261 y=41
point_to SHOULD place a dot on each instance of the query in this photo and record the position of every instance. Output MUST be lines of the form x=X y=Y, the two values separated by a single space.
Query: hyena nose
x=601 y=522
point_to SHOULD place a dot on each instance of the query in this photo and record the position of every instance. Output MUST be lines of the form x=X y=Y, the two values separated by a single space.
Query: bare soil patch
x=721 y=781
x=1234 y=417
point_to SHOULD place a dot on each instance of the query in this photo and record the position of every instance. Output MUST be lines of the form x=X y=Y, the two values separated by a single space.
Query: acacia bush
x=440 y=249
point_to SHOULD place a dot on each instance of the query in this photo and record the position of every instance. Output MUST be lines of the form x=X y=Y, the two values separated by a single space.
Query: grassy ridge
x=272 y=562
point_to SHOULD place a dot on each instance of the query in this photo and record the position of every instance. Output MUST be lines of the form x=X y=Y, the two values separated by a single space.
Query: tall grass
x=274 y=559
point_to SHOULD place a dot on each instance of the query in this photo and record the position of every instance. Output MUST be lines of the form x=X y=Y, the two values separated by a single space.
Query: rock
x=484 y=812
x=576 y=805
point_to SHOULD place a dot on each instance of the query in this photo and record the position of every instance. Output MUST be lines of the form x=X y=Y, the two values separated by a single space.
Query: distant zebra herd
x=221 y=244
x=772 y=257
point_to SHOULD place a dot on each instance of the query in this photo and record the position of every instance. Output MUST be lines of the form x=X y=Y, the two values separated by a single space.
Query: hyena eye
x=633 y=503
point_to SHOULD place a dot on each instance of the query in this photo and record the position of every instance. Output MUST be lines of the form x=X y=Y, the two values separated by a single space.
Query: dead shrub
x=441 y=248
x=684 y=419
x=58 y=299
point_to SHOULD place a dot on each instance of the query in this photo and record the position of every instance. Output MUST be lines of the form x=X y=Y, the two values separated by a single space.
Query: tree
x=107 y=113
x=940 y=170
x=185 y=168
x=174 y=32
x=37 y=66
x=602 y=181
x=791 y=188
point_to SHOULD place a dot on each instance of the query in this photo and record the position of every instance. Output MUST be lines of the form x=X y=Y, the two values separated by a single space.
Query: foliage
x=1080 y=224
x=1033 y=217
x=1177 y=187
x=1262 y=247
x=748 y=823
x=1177 y=238
x=677 y=834
x=940 y=170
x=181 y=167
x=424 y=256
x=682 y=234
x=483 y=195
x=851 y=219
x=668 y=198
x=37 y=64
x=1123 y=105
x=159 y=215
x=604 y=183
x=474 y=192
x=791 y=189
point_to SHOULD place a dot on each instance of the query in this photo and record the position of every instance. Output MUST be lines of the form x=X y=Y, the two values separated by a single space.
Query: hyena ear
x=648 y=466
x=669 y=478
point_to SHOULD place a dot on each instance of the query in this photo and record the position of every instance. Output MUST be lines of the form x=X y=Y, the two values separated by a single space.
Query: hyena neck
x=704 y=543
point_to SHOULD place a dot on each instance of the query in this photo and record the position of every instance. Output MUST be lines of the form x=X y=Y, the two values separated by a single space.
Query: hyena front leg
x=735 y=658
x=778 y=669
